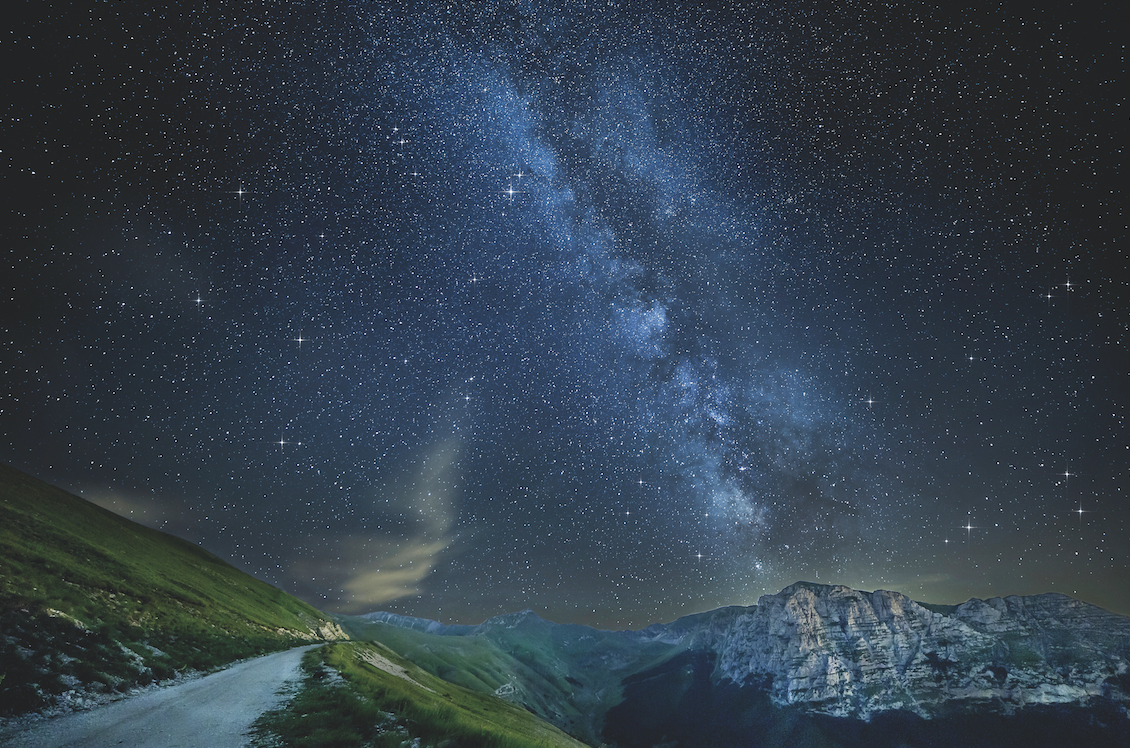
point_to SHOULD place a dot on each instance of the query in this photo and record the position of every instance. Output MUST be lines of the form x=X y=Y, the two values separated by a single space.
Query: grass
x=370 y=707
x=560 y=673
x=92 y=601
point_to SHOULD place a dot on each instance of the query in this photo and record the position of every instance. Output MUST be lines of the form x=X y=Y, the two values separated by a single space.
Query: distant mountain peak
x=849 y=653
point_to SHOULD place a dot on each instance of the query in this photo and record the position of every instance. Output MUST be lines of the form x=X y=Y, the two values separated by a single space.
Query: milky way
x=612 y=311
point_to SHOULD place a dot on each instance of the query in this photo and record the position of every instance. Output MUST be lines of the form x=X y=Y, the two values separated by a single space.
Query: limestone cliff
x=848 y=653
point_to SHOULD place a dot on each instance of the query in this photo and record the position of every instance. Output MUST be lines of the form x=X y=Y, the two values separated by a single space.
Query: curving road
x=215 y=711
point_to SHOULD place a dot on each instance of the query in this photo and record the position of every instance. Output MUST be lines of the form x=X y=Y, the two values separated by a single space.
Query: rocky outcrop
x=318 y=629
x=848 y=653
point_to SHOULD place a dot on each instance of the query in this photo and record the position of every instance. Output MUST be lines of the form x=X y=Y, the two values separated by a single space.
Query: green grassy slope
x=92 y=601
x=374 y=707
x=568 y=675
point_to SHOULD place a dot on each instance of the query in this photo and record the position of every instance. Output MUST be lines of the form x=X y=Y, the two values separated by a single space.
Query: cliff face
x=848 y=653
x=831 y=650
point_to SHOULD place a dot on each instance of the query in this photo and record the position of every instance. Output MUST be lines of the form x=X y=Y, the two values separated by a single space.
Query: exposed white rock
x=850 y=653
x=317 y=629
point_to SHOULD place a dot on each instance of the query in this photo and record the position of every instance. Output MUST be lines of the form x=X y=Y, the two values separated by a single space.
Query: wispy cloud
x=373 y=568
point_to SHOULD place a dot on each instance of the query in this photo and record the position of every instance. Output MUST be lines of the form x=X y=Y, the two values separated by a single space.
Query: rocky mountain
x=826 y=660
x=847 y=653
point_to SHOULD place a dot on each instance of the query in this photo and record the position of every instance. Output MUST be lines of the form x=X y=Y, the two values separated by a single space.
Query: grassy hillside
x=90 y=601
x=568 y=675
x=382 y=699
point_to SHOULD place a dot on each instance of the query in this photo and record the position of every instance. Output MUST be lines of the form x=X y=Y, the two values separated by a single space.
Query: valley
x=94 y=607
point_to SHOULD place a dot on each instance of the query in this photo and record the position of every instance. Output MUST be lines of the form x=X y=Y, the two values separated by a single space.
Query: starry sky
x=614 y=310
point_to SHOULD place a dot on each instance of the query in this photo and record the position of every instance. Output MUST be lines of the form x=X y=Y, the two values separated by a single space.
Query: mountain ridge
x=834 y=650
x=435 y=626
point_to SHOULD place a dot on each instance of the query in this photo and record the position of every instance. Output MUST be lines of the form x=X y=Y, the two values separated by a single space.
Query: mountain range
x=837 y=660
x=92 y=604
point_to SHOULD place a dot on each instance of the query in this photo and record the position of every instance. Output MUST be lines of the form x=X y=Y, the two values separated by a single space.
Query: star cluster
x=613 y=310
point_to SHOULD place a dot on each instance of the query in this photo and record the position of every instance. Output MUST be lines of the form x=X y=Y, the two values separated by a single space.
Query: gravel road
x=214 y=711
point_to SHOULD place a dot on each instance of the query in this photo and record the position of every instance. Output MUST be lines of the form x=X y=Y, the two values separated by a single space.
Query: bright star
x=283 y=442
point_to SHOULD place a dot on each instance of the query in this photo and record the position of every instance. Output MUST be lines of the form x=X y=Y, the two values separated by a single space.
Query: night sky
x=616 y=311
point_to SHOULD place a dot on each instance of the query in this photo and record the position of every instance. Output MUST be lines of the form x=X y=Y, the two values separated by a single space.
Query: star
x=657 y=306
x=283 y=442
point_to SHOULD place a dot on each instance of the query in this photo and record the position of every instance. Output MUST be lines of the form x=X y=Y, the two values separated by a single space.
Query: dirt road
x=214 y=711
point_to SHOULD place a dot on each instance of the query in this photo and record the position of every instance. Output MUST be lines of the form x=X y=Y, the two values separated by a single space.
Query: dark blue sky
x=614 y=311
